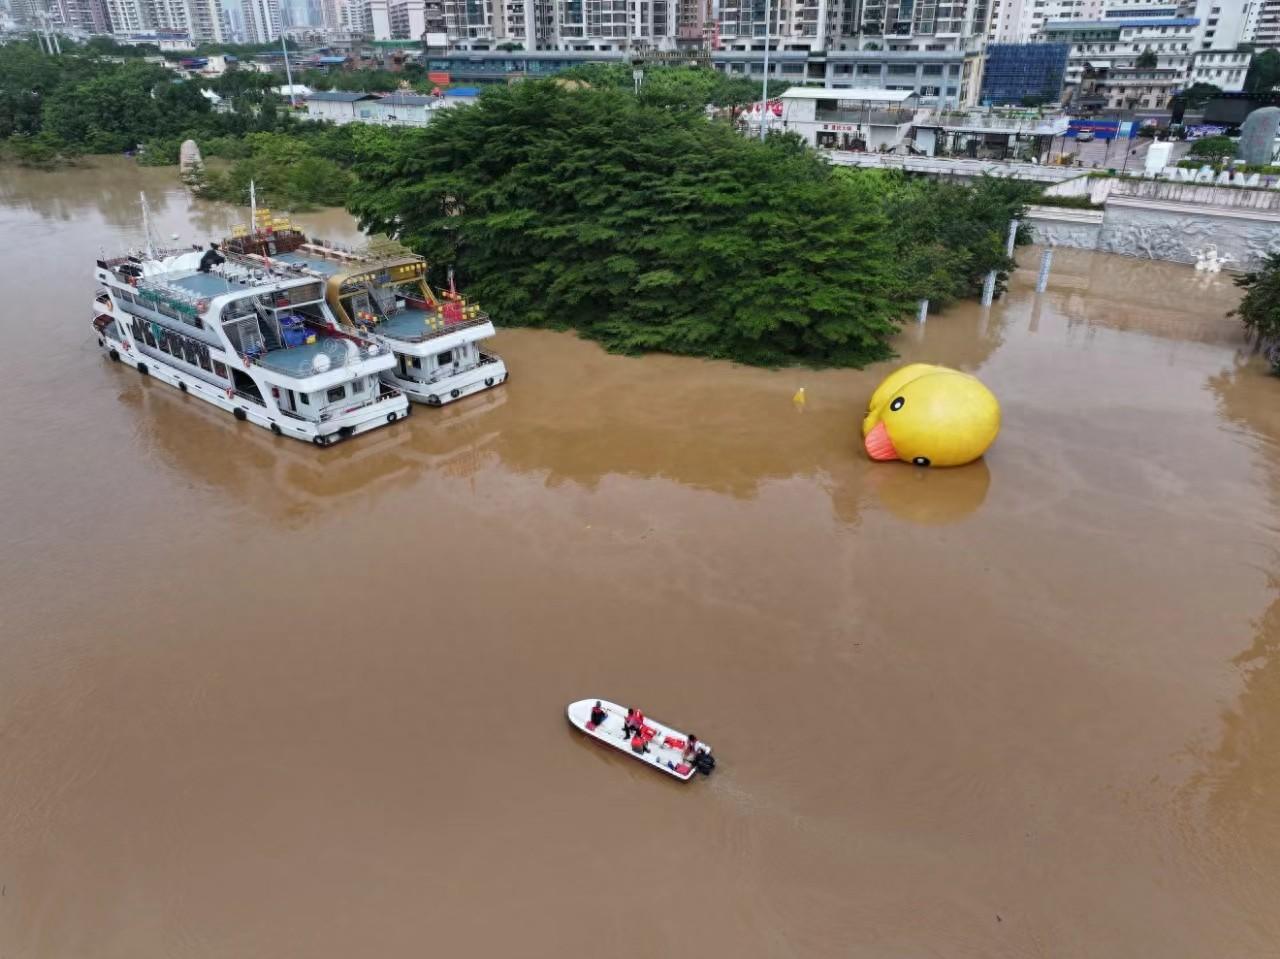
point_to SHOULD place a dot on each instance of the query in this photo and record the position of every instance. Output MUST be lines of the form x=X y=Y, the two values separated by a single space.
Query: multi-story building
x=1018 y=21
x=1224 y=69
x=89 y=16
x=1266 y=32
x=262 y=23
x=1017 y=73
x=408 y=19
x=377 y=19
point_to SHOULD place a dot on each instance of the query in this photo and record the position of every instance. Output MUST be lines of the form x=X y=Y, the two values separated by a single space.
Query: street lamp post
x=764 y=91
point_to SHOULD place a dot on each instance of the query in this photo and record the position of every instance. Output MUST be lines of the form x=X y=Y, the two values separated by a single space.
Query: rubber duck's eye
x=897 y=404
x=921 y=461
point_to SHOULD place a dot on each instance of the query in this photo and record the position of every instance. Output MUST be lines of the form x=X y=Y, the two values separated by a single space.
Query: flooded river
x=262 y=700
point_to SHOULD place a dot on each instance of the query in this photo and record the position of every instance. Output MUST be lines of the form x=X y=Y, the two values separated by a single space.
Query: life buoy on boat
x=489 y=381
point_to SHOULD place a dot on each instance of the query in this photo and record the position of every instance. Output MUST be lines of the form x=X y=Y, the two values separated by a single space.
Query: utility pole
x=764 y=92
x=287 y=72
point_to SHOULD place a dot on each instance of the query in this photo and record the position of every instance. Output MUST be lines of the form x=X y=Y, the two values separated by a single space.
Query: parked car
x=1084 y=136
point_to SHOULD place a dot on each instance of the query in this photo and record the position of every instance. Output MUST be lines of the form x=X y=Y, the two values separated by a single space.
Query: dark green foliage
x=643 y=227
x=1259 y=310
x=948 y=237
x=290 y=171
x=1213 y=148
x=1069 y=202
x=1147 y=59
x=1264 y=72
x=359 y=81
x=1198 y=94
x=677 y=87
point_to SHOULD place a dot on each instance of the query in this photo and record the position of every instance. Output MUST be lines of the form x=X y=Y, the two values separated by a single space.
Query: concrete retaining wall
x=1163 y=220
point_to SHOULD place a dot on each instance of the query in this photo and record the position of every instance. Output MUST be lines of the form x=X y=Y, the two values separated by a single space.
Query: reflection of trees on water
x=1241 y=778
x=108 y=186
x=286 y=481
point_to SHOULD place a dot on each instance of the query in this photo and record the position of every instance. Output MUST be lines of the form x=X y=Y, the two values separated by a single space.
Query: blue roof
x=1118 y=23
x=339 y=96
x=463 y=92
x=334 y=60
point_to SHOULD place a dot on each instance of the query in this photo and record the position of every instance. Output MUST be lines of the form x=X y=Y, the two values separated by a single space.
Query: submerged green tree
x=1259 y=310
x=641 y=225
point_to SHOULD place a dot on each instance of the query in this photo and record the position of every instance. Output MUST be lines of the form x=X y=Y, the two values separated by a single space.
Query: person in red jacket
x=598 y=715
x=639 y=744
x=634 y=722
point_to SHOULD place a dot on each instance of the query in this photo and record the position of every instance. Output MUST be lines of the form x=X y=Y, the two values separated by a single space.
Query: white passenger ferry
x=243 y=335
x=433 y=336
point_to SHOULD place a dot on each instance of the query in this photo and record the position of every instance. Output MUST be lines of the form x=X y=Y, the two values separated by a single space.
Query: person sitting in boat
x=634 y=722
x=691 y=749
x=639 y=744
x=598 y=715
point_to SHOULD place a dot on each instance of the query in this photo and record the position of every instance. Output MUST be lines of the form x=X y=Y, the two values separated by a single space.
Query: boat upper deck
x=414 y=325
x=315 y=264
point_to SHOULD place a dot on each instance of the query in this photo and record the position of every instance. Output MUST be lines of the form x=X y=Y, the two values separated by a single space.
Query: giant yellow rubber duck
x=930 y=416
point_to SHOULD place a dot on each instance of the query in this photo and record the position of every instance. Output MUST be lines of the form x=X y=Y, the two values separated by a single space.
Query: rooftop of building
x=339 y=96
x=1120 y=24
x=856 y=94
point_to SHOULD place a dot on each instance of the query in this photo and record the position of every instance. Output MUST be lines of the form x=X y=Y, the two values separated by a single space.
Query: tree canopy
x=1263 y=75
x=644 y=226
x=1259 y=310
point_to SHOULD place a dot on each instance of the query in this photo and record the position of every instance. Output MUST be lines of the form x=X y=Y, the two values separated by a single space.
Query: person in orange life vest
x=598 y=715
x=639 y=744
x=634 y=722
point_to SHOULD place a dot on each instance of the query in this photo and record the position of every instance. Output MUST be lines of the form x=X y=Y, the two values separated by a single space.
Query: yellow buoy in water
x=798 y=399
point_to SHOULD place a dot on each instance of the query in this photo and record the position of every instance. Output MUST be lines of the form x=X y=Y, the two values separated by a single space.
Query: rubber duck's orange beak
x=879 y=446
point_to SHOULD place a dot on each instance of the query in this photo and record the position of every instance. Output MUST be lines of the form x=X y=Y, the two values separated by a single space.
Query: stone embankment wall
x=1160 y=220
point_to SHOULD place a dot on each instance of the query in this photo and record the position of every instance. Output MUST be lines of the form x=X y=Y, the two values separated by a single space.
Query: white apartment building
x=1018 y=21
x=377 y=19
x=408 y=19
x=1266 y=32
x=261 y=20
x=1225 y=69
x=204 y=21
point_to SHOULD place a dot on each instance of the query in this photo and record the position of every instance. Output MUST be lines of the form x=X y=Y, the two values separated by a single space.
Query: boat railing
x=486 y=358
x=431 y=332
x=384 y=393
x=340 y=351
x=251 y=397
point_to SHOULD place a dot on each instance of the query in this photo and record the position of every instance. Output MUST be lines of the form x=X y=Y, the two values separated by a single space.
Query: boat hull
x=448 y=389
x=665 y=758
x=382 y=414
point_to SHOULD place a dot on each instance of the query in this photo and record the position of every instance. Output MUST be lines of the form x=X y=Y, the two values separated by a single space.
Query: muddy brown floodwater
x=259 y=700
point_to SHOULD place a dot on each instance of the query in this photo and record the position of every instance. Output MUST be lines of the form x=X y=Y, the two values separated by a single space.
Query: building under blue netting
x=1015 y=71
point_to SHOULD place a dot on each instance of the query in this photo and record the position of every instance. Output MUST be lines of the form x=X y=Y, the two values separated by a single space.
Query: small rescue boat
x=665 y=747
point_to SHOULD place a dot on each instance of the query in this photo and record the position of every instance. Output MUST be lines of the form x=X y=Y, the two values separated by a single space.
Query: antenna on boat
x=148 y=238
x=253 y=208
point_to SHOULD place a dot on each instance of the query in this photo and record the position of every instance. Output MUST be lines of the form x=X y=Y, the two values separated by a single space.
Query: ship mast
x=253 y=208
x=148 y=238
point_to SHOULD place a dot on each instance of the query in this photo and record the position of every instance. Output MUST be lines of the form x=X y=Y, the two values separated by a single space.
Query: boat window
x=337 y=393
x=219 y=369
x=445 y=358
x=356 y=386
x=306 y=398
x=417 y=362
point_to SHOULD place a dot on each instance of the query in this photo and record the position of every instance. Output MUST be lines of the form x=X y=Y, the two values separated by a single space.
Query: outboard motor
x=704 y=762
